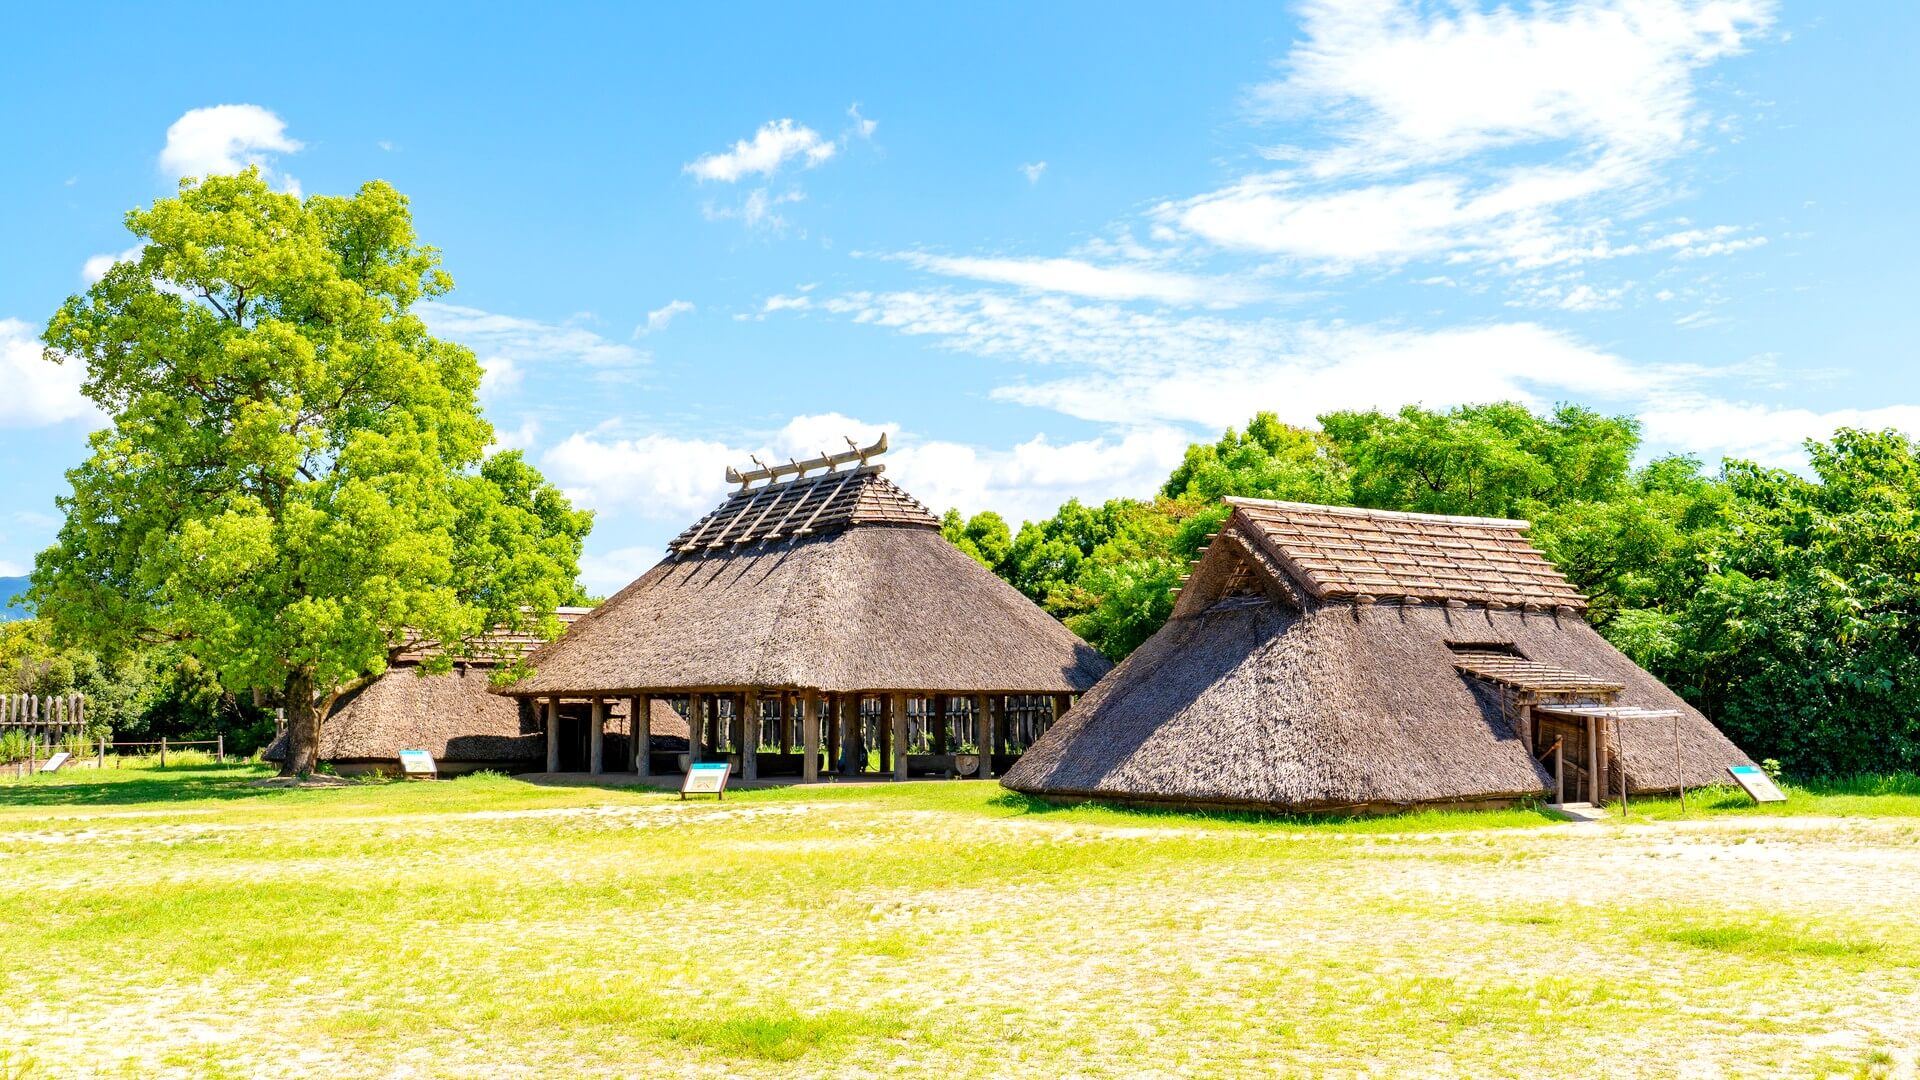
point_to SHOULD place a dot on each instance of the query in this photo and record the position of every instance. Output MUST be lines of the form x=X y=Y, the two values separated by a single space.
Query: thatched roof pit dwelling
x=453 y=717
x=1333 y=659
x=818 y=610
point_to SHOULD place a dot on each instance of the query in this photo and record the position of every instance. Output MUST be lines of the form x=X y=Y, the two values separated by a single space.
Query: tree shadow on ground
x=199 y=783
x=1168 y=815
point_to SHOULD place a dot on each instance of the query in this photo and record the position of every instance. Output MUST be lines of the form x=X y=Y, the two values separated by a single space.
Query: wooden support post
x=1596 y=791
x=898 y=708
x=163 y=751
x=750 y=740
x=101 y=761
x=1559 y=773
x=553 y=734
x=220 y=747
x=1526 y=726
x=809 y=738
x=831 y=726
x=597 y=739
x=696 y=726
x=983 y=733
x=641 y=729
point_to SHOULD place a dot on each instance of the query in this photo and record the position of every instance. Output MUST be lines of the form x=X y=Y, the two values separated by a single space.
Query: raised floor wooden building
x=817 y=620
x=1329 y=658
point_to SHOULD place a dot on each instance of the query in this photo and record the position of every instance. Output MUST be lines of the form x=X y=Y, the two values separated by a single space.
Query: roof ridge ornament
x=831 y=462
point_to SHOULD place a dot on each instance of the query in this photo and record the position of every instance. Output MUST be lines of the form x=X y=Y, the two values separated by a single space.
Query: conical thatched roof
x=837 y=582
x=1325 y=658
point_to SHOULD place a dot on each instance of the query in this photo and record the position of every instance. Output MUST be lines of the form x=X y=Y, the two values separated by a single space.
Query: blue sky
x=1043 y=248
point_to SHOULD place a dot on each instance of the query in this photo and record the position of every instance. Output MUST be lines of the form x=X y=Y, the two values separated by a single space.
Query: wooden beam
x=898 y=708
x=749 y=726
x=1596 y=794
x=642 y=729
x=810 y=738
x=696 y=727
x=597 y=739
x=983 y=730
x=553 y=734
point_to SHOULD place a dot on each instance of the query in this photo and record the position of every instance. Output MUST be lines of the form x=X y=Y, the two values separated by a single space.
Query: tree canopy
x=1786 y=607
x=295 y=481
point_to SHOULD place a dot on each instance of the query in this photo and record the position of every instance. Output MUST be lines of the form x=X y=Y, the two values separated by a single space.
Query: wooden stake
x=810 y=738
x=553 y=734
x=749 y=725
x=597 y=739
x=642 y=728
x=898 y=707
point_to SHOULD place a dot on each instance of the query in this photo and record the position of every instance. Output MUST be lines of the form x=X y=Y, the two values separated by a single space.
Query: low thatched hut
x=1334 y=659
x=818 y=610
x=453 y=717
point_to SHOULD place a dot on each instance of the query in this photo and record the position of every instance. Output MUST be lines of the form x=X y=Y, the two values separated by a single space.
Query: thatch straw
x=1256 y=694
x=874 y=607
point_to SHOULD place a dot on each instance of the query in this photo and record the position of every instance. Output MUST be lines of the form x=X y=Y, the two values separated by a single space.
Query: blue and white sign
x=706 y=778
x=418 y=763
x=1756 y=783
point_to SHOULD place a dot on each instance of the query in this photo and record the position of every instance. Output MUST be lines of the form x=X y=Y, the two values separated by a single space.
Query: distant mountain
x=11 y=587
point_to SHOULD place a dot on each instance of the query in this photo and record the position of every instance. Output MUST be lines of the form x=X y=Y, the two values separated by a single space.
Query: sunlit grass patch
x=775 y=1034
x=1770 y=940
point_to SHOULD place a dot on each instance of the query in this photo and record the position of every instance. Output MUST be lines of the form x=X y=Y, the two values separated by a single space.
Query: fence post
x=220 y=746
x=163 y=751
x=101 y=763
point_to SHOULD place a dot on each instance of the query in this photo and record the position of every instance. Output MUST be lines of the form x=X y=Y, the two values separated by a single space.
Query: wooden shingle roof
x=1339 y=551
x=1527 y=676
x=825 y=502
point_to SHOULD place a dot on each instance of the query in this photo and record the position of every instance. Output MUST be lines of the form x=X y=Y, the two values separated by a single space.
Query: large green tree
x=295 y=481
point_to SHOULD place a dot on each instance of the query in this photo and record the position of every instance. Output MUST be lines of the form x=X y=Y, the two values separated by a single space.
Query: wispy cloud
x=1033 y=170
x=1516 y=135
x=1078 y=277
x=510 y=347
x=660 y=317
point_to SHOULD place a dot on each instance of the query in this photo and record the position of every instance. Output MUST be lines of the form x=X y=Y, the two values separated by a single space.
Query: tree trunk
x=303 y=725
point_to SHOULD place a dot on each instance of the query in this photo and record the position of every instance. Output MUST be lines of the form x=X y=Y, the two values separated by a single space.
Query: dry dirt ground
x=488 y=927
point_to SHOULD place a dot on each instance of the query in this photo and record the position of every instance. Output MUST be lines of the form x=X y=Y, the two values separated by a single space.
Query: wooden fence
x=50 y=717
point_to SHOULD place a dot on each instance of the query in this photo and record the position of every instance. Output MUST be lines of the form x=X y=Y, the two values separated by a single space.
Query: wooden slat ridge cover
x=1346 y=551
x=1526 y=675
x=824 y=502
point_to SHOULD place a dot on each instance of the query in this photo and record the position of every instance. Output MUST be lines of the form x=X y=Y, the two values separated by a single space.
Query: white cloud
x=509 y=346
x=38 y=392
x=775 y=144
x=96 y=266
x=1118 y=365
x=1512 y=135
x=786 y=303
x=1080 y=278
x=658 y=318
x=612 y=571
x=656 y=476
x=1769 y=434
x=12 y=569
x=520 y=438
x=225 y=139
x=1033 y=170
x=862 y=127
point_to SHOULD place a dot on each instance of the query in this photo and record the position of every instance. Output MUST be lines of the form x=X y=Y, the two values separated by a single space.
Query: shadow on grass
x=1425 y=817
x=201 y=782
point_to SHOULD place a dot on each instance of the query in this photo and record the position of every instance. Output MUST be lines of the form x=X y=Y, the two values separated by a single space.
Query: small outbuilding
x=1326 y=658
x=817 y=620
x=454 y=717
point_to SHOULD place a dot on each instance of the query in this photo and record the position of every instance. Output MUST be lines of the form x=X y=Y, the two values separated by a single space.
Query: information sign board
x=53 y=763
x=418 y=763
x=706 y=778
x=1756 y=783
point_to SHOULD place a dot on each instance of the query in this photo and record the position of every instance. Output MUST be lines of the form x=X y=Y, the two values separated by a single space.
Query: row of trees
x=1785 y=607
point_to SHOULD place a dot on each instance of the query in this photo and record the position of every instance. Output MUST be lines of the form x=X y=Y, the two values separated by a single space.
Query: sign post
x=1756 y=783
x=706 y=778
x=419 y=763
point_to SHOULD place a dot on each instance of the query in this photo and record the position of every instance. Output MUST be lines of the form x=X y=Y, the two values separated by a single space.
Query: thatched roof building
x=454 y=717
x=820 y=592
x=1328 y=658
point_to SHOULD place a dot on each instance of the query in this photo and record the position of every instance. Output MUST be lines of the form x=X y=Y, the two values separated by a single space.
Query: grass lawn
x=188 y=924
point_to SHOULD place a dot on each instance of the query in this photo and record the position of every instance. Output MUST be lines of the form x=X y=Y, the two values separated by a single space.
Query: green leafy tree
x=984 y=537
x=294 y=483
x=1495 y=460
